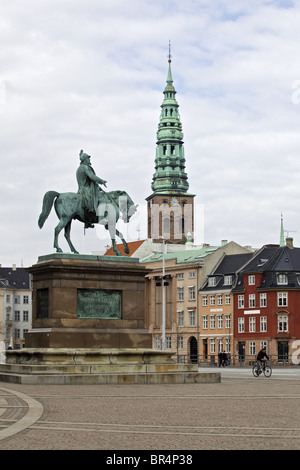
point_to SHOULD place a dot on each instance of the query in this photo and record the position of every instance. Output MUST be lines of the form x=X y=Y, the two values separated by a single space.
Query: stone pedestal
x=88 y=327
x=88 y=302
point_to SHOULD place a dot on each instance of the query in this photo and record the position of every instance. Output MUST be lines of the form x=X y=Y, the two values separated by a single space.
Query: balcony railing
x=211 y=360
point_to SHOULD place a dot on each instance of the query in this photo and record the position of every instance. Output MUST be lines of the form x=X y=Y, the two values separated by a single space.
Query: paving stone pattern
x=236 y=414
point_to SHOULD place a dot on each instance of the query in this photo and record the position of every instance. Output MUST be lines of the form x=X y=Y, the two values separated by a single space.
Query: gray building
x=15 y=306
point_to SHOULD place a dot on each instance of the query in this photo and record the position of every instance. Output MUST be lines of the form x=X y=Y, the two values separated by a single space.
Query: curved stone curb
x=35 y=411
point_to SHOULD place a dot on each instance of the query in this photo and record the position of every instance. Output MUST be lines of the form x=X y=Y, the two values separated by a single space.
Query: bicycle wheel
x=268 y=371
x=255 y=371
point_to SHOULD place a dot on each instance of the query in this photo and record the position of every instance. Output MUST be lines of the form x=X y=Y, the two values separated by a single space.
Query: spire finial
x=281 y=243
x=169 y=55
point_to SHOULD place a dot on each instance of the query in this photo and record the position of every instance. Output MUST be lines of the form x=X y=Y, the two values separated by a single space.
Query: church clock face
x=174 y=201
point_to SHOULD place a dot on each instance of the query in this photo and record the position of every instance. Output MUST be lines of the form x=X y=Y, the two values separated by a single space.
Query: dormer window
x=212 y=281
x=282 y=279
x=227 y=280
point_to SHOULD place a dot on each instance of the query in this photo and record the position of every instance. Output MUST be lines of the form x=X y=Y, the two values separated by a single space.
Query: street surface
x=283 y=373
x=240 y=413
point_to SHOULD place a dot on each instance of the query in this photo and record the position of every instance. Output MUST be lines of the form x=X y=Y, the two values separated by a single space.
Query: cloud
x=90 y=74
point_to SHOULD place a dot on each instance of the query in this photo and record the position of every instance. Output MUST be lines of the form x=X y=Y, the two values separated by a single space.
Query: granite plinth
x=61 y=282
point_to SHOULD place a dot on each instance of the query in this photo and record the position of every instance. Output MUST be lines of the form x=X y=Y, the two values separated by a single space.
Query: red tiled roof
x=133 y=246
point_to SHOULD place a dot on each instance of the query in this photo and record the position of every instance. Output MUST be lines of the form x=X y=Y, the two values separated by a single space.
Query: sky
x=90 y=74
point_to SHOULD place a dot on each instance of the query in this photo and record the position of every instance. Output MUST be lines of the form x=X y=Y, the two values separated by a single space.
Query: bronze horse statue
x=68 y=206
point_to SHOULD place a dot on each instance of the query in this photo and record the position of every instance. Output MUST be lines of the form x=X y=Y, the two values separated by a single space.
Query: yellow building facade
x=177 y=323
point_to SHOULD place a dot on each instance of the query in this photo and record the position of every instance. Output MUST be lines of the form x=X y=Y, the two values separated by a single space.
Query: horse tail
x=47 y=206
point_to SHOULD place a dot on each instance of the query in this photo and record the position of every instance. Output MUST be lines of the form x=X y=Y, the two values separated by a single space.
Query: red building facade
x=267 y=304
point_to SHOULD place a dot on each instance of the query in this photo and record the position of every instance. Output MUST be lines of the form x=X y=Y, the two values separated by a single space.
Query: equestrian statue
x=90 y=205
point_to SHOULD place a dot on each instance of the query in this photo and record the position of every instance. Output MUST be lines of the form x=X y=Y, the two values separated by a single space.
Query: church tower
x=170 y=208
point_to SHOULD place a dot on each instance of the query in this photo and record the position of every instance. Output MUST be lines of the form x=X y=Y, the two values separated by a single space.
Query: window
x=180 y=275
x=263 y=324
x=251 y=300
x=241 y=301
x=220 y=321
x=282 y=299
x=212 y=346
x=180 y=293
x=25 y=299
x=282 y=278
x=192 y=293
x=212 y=300
x=157 y=342
x=192 y=317
x=8 y=298
x=180 y=342
x=25 y=315
x=220 y=299
x=252 y=324
x=227 y=280
x=17 y=333
x=263 y=300
x=227 y=299
x=241 y=325
x=168 y=342
x=180 y=317
x=17 y=299
x=204 y=300
x=227 y=321
x=251 y=280
x=282 y=323
x=17 y=315
x=192 y=274
x=205 y=322
x=252 y=348
x=24 y=331
x=212 y=319
x=212 y=281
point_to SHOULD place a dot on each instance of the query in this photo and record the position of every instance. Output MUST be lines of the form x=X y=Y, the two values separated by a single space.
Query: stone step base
x=110 y=379
x=98 y=366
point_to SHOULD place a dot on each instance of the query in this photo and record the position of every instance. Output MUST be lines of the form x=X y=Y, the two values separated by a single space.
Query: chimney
x=289 y=242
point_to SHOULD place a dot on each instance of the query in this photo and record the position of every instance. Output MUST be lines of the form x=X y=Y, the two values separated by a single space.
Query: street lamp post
x=163 y=300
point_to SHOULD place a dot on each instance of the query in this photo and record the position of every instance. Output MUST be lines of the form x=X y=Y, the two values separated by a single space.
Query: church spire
x=282 y=242
x=170 y=208
x=170 y=172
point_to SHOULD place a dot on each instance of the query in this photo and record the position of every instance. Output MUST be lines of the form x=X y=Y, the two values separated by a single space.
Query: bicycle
x=264 y=368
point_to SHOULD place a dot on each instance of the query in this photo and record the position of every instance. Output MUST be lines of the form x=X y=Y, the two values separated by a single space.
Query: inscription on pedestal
x=99 y=303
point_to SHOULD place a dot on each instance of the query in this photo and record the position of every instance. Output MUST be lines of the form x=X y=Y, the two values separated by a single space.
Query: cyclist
x=261 y=358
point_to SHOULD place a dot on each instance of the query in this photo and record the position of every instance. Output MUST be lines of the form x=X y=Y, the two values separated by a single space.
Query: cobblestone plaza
x=236 y=414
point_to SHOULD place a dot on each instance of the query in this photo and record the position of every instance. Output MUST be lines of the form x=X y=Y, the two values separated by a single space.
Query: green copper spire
x=169 y=173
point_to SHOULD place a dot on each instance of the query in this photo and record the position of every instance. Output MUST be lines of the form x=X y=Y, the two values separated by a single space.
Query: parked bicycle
x=263 y=367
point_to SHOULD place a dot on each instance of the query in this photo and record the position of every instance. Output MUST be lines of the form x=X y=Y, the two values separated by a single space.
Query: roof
x=260 y=259
x=228 y=266
x=272 y=260
x=184 y=256
x=133 y=246
x=17 y=278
